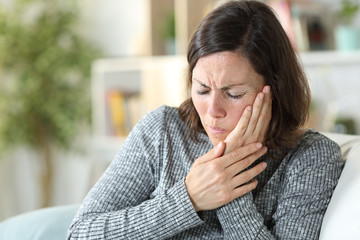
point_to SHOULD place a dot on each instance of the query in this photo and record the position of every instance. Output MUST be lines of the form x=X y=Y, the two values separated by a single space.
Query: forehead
x=225 y=68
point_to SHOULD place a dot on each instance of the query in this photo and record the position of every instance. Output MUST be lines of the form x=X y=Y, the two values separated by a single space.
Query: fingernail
x=266 y=89
x=258 y=145
x=248 y=108
x=261 y=96
x=219 y=144
x=264 y=165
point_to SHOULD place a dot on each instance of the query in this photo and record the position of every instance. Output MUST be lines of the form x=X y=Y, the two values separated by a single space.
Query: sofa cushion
x=341 y=220
x=44 y=224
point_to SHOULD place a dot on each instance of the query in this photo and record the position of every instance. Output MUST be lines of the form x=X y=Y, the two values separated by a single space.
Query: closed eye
x=202 y=92
x=203 y=89
x=238 y=96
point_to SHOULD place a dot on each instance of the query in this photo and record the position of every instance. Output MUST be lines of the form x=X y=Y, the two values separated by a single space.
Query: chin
x=216 y=141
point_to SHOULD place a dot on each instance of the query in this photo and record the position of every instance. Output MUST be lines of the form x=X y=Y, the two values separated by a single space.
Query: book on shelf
x=124 y=111
x=283 y=10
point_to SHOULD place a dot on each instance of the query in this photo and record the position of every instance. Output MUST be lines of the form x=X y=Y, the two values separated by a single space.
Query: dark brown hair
x=251 y=29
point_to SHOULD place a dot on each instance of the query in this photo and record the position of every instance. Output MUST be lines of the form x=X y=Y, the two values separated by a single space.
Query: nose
x=216 y=107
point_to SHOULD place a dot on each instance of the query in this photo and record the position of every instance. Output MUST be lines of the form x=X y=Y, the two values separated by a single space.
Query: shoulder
x=155 y=116
x=164 y=127
x=160 y=120
x=160 y=117
x=315 y=150
x=315 y=142
x=149 y=134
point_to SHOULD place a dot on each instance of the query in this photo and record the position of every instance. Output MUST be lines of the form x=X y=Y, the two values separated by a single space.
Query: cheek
x=199 y=105
x=238 y=108
x=235 y=115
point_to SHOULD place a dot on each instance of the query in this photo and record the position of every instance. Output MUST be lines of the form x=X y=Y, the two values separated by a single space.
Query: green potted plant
x=347 y=36
x=167 y=32
x=44 y=79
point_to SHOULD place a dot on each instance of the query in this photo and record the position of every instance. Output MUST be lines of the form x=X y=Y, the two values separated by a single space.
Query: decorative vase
x=347 y=38
x=170 y=46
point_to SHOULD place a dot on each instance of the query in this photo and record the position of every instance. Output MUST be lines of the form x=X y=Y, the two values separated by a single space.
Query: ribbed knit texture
x=142 y=195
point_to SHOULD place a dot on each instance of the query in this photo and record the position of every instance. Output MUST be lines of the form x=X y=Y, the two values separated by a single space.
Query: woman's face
x=223 y=84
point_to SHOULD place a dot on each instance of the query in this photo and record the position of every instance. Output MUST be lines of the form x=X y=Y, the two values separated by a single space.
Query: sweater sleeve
x=241 y=220
x=304 y=194
x=120 y=205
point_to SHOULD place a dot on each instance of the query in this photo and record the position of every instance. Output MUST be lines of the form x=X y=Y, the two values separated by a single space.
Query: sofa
x=341 y=220
x=44 y=224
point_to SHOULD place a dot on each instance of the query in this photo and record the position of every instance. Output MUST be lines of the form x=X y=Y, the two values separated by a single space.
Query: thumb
x=218 y=151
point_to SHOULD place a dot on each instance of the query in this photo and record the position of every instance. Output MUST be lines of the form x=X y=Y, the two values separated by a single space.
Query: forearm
x=162 y=217
x=241 y=220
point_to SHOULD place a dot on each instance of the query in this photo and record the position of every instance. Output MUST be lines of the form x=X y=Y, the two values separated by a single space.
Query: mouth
x=216 y=130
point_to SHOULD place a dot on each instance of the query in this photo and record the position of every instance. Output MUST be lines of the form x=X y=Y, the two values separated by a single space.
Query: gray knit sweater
x=142 y=194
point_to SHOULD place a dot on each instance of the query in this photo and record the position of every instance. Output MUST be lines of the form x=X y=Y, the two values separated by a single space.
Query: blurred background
x=76 y=75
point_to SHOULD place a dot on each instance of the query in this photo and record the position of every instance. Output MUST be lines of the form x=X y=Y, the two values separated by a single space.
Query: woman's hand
x=253 y=124
x=215 y=179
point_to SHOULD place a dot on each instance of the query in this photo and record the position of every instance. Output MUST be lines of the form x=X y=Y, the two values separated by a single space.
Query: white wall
x=119 y=27
x=20 y=179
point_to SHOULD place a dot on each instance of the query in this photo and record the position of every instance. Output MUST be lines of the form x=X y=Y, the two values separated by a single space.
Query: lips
x=216 y=130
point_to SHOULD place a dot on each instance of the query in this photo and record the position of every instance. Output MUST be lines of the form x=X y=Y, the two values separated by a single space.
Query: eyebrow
x=223 y=88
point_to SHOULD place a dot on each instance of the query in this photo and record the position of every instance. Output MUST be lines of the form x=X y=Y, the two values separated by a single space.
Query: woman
x=232 y=162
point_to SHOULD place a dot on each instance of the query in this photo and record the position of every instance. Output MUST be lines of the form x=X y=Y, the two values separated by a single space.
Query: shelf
x=334 y=82
x=324 y=58
x=156 y=80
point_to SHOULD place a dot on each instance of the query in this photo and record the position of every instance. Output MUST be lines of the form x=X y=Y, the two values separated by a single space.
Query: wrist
x=196 y=208
x=236 y=205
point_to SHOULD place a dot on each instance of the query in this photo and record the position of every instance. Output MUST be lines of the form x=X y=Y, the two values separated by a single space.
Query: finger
x=246 y=162
x=239 y=153
x=236 y=135
x=244 y=189
x=257 y=106
x=214 y=153
x=246 y=176
x=243 y=122
x=265 y=115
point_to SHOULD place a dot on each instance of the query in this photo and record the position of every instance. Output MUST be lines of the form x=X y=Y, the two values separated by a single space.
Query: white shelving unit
x=107 y=74
x=334 y=79
x=158 y=81
x=327 y=58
